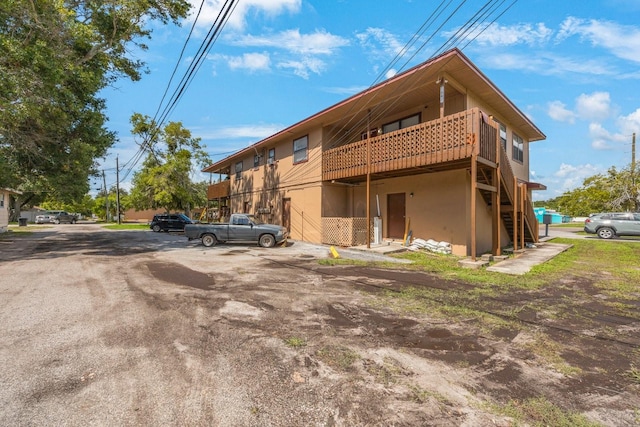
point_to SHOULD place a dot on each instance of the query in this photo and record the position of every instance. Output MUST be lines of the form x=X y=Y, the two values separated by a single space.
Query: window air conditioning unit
x=271 y=161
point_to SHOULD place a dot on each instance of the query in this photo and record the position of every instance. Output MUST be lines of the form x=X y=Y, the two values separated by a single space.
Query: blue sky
x=572 y=66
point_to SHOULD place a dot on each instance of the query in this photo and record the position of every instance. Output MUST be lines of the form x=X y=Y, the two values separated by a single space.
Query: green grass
x=338 y=357
x=126 y=226
x=634 y=374
x=539 y=412
x=565 y=225
x=295 y=342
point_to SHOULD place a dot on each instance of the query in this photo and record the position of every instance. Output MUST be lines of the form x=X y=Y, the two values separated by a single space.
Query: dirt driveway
x=103 y=327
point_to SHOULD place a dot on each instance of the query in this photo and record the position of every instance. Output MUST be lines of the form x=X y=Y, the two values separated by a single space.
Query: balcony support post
x=522 y=200
x=368 y=182
x=515 y=214
x=474 y=189
x=496 y=202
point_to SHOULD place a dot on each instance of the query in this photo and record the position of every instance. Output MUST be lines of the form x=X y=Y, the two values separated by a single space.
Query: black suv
x=168 y=222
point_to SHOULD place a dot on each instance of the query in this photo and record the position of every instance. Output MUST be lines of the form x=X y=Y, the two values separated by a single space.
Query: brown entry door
x=395 y=215
x=286 y=214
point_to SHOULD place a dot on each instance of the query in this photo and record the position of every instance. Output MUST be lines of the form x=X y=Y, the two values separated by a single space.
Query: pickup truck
x=240 y=228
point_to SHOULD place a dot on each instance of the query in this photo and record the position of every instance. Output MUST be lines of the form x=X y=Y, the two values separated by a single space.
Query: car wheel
x=267 y=241
x=606 y=233
x=209 y=240
x=156 y=228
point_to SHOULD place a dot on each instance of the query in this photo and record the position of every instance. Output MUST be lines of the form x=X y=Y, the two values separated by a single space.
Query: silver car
x=610 y=225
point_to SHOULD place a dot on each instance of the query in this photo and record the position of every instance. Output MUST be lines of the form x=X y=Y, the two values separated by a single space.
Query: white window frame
x=301 y=149
x=518 y=148
x=502 y=132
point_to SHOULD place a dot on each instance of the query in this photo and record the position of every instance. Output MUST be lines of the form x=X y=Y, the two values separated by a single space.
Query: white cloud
x=380 y=43
x=250 y=61
x=304 y=66
x=595 y=106
x=253 y=131
x=390 y=73
x=621 y=40
x=630 y=124
x=559 y=113
x=318 y=43
x=570 y=176
x=547 y=64
x=238 y=18
x=351 y=90
x=502 y=35
x=602 y=139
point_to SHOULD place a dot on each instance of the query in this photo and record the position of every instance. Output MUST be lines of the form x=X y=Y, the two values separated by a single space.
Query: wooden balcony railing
x=449 y=139
x=219 y=190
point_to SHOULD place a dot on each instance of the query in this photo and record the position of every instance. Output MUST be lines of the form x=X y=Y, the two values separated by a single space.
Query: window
x=300 y=149
x=256 y=161
x=272 y=156
x=401 y=124
x=239 y=170
x=503 y=136
x=518 y=149
x=1 y=200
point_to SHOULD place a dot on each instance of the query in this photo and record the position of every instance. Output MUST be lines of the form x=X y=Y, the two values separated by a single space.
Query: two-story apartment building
x=437 y=152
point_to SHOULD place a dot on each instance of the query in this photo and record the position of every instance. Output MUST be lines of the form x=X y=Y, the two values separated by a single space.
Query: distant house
x=5 y=207
x=133 y=215
x=436 y=152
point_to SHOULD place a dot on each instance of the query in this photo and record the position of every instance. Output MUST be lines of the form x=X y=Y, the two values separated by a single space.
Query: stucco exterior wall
x=263 y=190
x=439 y=208
x=520 y=169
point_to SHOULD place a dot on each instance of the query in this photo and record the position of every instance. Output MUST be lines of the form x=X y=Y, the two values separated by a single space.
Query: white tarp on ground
x=430 y=245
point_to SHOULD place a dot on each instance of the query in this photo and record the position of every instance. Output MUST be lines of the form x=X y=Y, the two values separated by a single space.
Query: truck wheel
x=267 y=241
x=209 y=240
x=156 y=228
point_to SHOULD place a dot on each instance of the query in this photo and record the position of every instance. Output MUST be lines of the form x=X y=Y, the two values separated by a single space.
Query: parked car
x=56 y=217
x=63 y=216
x=169 y=222
x=240 y=228
x=45 y=218
x=610 y=225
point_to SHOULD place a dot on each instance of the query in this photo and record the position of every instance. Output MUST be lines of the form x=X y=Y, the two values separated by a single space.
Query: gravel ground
x=107 y=328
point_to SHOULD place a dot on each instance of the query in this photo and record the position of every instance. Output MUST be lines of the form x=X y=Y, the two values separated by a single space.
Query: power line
x=162 y=113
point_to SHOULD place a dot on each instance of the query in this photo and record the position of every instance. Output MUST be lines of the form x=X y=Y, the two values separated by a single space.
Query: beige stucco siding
x=520 y=169
x=437 y=210
x=262 y=190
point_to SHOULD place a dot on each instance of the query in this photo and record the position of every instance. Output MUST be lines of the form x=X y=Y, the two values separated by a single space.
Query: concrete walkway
x=522 y=263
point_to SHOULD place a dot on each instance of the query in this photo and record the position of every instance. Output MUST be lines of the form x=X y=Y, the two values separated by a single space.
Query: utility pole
x=117 y=190
x=636 y=193
x=633 y=155
x=106 y=197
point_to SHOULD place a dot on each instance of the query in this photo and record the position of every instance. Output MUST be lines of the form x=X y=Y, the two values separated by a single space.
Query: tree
x=55 y=57
x=618 y=190
x=164 y=179
x=100 y=203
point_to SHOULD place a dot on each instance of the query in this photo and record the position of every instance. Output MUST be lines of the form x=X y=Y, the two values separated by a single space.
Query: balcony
x=438 y=144
x=219 y=190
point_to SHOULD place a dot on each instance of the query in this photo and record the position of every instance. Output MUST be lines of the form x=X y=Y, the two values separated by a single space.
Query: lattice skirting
x=345 y=231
